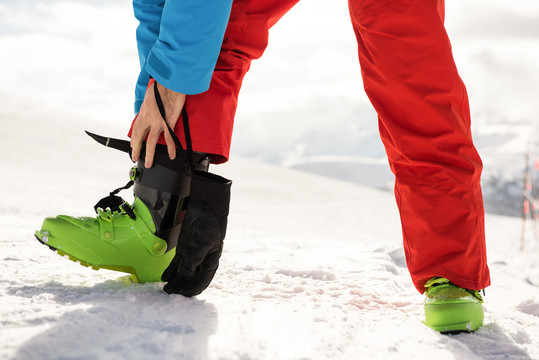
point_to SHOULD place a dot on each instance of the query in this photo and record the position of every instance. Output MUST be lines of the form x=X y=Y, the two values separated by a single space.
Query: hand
x=150 y=124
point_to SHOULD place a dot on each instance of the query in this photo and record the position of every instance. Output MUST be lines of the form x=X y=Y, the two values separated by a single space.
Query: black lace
x=186 y=130
x=116 y=203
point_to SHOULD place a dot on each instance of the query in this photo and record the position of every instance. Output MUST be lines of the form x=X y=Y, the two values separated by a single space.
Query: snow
x=313 y=267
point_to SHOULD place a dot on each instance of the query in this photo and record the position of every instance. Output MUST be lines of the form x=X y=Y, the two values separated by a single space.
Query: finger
x=197 y=286
x=171 y=270
x=174 y=286
x=136 y=143
x=151 y=143
x=171 y=146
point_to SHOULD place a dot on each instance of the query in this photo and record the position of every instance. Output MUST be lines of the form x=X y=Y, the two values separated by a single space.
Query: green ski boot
x=138 y=238
x=450 y=309
x=121 y=240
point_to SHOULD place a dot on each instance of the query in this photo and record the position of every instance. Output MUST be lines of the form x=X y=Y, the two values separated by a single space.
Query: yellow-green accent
x=133 y=173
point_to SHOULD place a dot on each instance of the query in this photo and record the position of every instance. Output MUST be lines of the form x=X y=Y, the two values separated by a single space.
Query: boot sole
x=452 y=329
x=133 y=277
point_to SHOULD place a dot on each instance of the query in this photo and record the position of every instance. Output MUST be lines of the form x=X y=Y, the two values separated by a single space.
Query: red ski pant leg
x=211 y=114
x=411 y=79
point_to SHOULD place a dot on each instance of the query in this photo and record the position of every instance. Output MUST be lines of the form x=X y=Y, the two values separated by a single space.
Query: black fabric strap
x=122 y=145
x=125 y=146
x=187 y=133
x=113 y=201
x=188 y=142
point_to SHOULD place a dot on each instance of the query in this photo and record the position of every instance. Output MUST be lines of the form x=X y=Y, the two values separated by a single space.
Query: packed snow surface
x=313 y=267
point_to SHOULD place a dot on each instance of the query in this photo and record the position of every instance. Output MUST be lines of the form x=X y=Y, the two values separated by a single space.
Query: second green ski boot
x=450 y=309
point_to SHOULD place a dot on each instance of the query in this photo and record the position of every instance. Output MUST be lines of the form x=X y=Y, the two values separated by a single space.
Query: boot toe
x=69 y=238
x=80 y=239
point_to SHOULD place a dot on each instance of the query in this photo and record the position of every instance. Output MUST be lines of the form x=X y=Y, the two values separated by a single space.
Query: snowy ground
x=313 y=268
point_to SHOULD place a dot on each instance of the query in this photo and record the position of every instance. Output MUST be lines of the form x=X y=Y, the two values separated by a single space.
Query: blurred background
x=302 y=105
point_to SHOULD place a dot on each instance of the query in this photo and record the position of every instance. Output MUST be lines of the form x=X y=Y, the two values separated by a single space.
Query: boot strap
x=125 y=146
x=185 y=119
x=116 y=203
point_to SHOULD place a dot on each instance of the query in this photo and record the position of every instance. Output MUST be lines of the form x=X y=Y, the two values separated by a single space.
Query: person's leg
x=211 y=114
x=178 y=204
x=411 y=79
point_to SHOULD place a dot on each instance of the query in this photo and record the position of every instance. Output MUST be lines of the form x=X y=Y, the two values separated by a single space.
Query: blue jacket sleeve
x=148 y=13
x=190 y=37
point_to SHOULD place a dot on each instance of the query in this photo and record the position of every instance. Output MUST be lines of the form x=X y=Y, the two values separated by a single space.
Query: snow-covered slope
x=313 y=269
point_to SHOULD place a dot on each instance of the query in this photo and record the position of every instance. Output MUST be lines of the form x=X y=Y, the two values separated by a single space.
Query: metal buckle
x=133 y=173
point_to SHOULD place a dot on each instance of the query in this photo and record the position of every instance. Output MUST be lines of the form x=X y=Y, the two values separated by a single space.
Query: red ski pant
x=410 y=77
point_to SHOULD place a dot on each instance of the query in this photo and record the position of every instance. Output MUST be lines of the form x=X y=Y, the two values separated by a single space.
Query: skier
x=411 y=79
